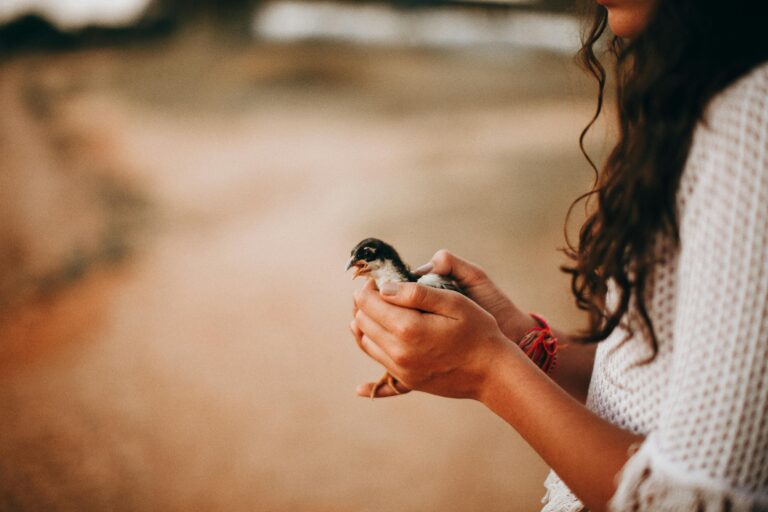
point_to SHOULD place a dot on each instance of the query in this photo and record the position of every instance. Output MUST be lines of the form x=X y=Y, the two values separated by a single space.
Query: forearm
x=586 y=451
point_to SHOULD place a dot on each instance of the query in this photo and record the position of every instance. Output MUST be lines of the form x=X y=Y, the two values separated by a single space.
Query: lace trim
x=649 y=482
x=559 y=497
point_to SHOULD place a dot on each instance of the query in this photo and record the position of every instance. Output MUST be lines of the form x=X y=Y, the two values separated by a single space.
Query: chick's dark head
x=371 y=255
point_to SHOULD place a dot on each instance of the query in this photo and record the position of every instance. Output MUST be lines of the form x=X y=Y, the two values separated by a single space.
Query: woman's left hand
x=431 y=340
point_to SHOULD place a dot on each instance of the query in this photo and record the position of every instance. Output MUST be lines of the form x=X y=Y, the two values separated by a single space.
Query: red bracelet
x=540 y=344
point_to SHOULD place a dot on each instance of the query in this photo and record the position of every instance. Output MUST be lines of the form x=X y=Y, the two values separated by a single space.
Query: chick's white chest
x=387 y=273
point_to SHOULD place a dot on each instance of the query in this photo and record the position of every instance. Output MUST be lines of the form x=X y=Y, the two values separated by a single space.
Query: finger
x=375 y=352
x=367 y=290
x=376 y=332
x=422 y=298
x=446 y=263
x=389 y=316
x=356 y=332
x=364 y=390
x=370 y=284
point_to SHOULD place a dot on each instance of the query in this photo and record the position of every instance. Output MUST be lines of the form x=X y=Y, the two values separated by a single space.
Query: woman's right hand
x=575 y=360
x=478 y=286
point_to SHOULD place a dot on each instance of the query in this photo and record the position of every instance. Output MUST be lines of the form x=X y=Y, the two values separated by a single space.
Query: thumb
x=416 y=296
x=463 y=272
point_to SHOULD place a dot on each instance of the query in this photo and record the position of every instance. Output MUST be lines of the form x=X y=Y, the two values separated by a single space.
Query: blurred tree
x=231 y=17
x=32 y=32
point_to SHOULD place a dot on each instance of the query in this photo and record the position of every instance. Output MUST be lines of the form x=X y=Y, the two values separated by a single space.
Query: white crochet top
x=702 y=403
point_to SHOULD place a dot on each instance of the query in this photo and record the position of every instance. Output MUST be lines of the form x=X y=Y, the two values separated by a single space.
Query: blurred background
x=181 y=183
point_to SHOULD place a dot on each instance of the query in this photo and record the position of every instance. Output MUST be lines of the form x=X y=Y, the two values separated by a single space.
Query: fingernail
x=424 y=269
x=389 y=288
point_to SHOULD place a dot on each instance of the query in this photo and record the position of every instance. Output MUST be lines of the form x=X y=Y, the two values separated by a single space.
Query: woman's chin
x=627 y=23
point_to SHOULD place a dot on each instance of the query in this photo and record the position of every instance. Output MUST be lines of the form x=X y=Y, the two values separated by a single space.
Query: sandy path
x=211 y=367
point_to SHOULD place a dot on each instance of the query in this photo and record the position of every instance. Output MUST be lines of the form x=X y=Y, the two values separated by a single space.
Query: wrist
x=540 y=344
x=533 y=347
x=516 y=323
x=507 y=360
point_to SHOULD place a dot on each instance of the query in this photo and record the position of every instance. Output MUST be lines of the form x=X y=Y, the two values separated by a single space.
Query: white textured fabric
x=703 y=401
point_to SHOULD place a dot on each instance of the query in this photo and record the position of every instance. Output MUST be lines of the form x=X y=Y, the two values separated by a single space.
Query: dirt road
x=176 y=218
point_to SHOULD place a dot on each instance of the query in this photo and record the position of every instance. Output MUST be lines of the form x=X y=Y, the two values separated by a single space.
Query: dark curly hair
x=688 y=52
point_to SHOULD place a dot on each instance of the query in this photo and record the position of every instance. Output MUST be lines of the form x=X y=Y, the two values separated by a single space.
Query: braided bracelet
x=540 y=344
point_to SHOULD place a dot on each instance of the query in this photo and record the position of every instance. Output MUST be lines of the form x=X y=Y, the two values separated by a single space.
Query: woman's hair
x=688 y=52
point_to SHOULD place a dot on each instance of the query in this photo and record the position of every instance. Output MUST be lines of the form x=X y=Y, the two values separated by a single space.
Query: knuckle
x=472 y=272
x=362 y=295
x=401 y=357
x=477 y=273
x=405 y=330
x=417 y=294
x=459 y=266
x=442 y=256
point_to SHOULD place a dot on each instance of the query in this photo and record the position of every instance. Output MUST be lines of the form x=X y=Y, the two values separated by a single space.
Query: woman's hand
x=431 y=340
x=477 y=285
x=443 y=343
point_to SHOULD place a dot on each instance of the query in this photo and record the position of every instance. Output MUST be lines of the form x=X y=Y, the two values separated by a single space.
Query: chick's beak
x=360 y=267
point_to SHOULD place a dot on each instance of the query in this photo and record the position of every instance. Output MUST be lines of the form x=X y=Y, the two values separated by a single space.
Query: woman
x=672 y=268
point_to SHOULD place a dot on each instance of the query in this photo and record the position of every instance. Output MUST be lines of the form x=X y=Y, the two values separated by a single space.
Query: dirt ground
x=174 y=221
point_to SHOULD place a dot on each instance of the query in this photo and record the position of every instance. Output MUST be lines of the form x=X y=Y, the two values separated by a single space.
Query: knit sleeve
x=710 y=450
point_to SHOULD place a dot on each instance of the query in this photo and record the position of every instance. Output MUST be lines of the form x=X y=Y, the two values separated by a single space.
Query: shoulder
x=726 y=175
x=742 y=108
x=730 y=143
